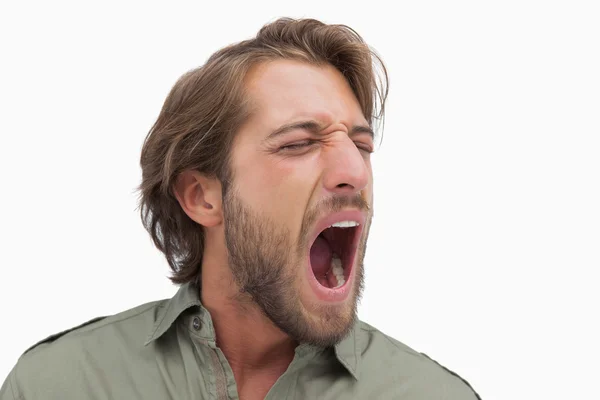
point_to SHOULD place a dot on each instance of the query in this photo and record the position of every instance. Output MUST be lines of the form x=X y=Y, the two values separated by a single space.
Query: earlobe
x=199 y=197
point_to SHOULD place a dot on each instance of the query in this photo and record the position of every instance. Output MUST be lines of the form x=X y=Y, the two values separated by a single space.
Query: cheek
x=280 y=189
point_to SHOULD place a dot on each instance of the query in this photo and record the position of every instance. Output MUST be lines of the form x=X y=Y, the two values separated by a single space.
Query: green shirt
x=167 y=350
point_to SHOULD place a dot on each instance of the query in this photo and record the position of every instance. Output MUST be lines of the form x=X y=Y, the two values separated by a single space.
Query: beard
x=267 y=265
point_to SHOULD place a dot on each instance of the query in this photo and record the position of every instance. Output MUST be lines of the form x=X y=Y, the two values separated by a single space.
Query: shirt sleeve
x=8 y=391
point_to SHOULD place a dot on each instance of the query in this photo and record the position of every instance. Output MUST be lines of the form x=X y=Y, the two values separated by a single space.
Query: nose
x=347 y=172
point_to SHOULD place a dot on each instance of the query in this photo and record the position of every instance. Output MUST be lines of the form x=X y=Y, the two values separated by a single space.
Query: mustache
x=339 y=202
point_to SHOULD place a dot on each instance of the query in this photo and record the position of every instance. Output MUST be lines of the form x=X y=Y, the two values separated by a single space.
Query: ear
x=199 y=197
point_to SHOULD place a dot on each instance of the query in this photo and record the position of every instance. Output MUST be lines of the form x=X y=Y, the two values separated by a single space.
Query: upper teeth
x=344 y=224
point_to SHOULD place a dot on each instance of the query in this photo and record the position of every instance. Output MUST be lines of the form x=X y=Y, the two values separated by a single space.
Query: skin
x=260 y=287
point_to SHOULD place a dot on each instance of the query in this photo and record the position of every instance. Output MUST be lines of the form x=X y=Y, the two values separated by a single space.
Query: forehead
x=285 y=91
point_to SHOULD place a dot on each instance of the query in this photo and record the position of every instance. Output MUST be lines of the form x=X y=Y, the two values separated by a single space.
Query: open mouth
x=333 y=252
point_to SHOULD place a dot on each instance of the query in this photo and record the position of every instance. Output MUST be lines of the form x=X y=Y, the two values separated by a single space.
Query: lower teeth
x=337 y=270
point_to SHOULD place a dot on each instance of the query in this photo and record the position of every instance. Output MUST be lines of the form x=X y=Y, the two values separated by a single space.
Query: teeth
x=344 y=224
x=338 y=270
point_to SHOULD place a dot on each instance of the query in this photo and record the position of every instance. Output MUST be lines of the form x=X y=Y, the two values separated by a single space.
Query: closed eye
x=364 y=147
x=298 y=145
x=307 y=143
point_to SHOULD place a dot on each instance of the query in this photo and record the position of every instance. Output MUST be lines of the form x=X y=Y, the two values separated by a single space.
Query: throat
x=257 y=385
x=255 y=372
x=262 y=343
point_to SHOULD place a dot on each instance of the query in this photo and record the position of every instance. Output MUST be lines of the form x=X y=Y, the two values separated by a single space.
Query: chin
x=329 y=320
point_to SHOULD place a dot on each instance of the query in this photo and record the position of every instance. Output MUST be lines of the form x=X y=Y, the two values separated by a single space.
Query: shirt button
x=196 y=323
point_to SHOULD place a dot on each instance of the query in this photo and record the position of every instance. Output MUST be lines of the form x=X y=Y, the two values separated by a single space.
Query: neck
x=252 y=344
x=247 y=338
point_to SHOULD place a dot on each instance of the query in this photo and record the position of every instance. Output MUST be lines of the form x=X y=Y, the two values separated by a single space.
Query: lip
x=341 y=293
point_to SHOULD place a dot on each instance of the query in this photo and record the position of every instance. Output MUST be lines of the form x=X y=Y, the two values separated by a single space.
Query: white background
x=485 y=247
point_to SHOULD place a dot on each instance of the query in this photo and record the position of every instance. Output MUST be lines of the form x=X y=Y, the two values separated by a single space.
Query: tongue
x=320 y=258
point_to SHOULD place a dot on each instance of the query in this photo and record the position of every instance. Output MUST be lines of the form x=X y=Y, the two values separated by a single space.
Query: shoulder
x=405 y=370
x=133 y=321
x=50 y=363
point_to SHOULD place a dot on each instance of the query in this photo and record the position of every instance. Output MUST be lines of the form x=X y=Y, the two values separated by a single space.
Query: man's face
x=289 y=187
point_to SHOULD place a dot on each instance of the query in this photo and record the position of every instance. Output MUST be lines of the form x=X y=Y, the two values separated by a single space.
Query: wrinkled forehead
x=283 y=91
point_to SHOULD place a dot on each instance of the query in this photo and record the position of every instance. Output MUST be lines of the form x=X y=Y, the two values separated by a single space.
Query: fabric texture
x=167 y=350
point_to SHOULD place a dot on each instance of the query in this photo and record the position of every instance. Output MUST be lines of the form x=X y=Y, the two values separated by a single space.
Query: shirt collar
x=347 y=351
x=168 y=311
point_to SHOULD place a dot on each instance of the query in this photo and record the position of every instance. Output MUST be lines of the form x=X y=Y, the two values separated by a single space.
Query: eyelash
x=301 y=145
x=298 y=146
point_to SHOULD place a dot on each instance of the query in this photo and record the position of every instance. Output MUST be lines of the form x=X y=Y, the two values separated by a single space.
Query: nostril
x=344 y=185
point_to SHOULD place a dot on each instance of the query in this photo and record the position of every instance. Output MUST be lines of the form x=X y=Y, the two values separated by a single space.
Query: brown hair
x=206 y=106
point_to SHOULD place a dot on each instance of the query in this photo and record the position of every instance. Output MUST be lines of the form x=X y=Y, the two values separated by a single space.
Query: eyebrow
x=314 y=127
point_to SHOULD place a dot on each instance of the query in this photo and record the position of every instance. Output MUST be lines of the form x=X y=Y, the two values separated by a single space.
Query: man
x=257 y=187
